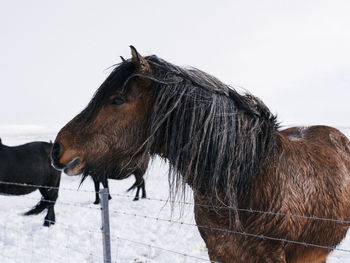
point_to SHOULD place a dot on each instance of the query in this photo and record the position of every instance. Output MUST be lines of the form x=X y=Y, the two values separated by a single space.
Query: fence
x=104 y=255
x=149 y=248
x=136 y=234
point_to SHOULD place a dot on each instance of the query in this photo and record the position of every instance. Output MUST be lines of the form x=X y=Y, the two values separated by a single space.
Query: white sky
x=294 y=55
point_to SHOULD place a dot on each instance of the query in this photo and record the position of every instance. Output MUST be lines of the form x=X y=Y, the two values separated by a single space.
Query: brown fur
x=317 y=175
x=105 y=126
x=306 y=171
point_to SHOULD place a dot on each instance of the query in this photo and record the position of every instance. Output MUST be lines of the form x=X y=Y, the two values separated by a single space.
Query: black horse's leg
x=49 y=198
x=140 y=184
x=136 y=198
x=97 y=190
x=105 y=185
x=143 y=188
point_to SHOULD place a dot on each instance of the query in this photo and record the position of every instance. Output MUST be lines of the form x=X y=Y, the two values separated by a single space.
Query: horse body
x=30 y=164
x=228 y=148
x=308 y=176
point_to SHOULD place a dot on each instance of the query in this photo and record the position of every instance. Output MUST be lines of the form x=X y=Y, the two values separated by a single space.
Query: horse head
x=105 y=136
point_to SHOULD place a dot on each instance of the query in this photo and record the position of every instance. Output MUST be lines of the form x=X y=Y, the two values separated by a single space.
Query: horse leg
x=97 y=190
x=50 y=197
x=231 y=248
x=50 y=218
x=38 y=208
x=143 y=188
x=135 y=185
x=227 y=243
x=140 y=183
x=136 y=198
x=105 y=185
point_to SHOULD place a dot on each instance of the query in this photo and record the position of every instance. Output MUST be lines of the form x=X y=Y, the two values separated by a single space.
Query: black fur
x=139 y=184
x=30 y=164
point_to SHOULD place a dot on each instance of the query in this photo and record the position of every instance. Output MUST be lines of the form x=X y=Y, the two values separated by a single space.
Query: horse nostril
x=56 y=152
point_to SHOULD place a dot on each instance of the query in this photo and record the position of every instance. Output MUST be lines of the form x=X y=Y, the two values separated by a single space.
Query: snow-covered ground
x=137 y=236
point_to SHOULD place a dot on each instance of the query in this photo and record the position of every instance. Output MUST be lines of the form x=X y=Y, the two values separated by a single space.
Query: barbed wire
x=30 y=185
x=247 y=210
x=283 y=240
x=58 y=202
x=70 y=226
x=114 y=238
x=260 y=236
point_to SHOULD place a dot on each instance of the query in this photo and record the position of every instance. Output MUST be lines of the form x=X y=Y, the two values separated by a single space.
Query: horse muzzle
x=73 y=167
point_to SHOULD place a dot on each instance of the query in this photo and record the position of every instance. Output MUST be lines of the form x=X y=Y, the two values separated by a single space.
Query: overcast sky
x=294 y=55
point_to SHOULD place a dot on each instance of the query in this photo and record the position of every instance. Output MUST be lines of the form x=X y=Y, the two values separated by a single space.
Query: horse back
x=322 y=138
x=28 y=163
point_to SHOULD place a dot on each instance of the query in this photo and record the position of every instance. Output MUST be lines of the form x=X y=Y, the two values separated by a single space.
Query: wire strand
x=283 y=240
x=248 y=210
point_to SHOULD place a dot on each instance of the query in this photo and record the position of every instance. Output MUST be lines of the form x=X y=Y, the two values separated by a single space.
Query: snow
x=76 y=236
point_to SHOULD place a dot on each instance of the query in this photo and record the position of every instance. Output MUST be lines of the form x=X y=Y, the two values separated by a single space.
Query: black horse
x=139 y=184
x=27 y=167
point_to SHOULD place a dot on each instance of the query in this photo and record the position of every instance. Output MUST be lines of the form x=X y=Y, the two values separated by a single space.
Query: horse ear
x=140 y=62
x=123 y=59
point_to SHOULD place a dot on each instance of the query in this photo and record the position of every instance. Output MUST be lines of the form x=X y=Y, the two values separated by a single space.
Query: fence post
x=105 y=226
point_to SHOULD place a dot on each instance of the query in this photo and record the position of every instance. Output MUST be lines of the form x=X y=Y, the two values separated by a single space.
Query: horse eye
x=117 y=101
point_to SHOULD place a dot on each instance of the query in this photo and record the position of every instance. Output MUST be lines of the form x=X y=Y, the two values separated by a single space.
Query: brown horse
x=228 y=148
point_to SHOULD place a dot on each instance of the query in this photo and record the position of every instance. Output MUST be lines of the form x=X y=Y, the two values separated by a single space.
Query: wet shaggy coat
x=30 y=164
x=229 y=149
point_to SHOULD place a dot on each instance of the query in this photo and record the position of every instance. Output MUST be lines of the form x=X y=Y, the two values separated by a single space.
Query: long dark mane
x=214 y=138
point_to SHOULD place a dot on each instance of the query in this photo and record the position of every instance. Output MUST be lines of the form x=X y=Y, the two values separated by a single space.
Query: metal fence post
x=105 y=226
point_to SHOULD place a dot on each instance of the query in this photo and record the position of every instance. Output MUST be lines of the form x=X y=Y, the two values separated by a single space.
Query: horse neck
x=268 y=151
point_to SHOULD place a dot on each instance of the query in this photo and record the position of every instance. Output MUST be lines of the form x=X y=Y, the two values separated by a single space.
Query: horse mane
x=215 y=139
